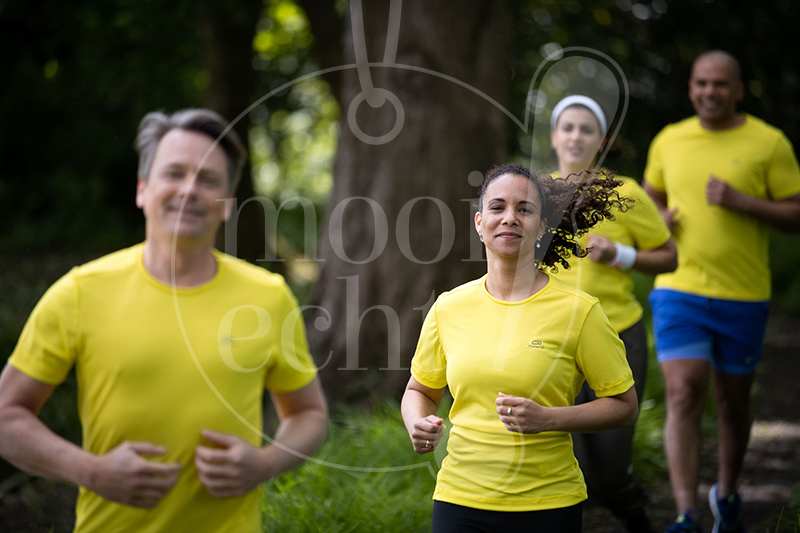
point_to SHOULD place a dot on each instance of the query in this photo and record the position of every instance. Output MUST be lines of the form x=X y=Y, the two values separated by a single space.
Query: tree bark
x=448 y=132
x=326 y=27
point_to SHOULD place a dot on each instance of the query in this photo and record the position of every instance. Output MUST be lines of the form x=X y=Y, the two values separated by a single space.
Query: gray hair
x=155 y=125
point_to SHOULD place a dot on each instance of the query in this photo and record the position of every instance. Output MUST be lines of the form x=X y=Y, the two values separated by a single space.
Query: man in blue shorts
x=720 y=179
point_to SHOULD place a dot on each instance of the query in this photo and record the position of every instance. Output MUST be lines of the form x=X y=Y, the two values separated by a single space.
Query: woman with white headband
x=636 y=239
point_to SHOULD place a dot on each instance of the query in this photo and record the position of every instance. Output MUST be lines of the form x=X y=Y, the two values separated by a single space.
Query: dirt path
x=772 y=464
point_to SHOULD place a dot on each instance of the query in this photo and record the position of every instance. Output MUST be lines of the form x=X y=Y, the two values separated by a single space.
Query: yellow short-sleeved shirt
x=642 y=227
x=722 y=253
x=541 y=348
x=157 y=367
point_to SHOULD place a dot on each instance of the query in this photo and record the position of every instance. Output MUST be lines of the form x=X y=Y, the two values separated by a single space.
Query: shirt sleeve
x=429 y=366
x=644 y=222
x=48 y=346
x=783 y=174
x=600 y=356
x=294 y=367
x=654 y=171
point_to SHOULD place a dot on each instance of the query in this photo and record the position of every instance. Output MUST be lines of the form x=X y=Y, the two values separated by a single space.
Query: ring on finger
x=427 y=444
x=509 y=411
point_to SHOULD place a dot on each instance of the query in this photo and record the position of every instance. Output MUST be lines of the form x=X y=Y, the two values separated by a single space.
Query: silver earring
x=539 y=242
x=480 y=236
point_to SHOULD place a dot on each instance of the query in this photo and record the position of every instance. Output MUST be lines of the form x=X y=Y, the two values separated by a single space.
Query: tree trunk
x=326 y=27
x=448 y=132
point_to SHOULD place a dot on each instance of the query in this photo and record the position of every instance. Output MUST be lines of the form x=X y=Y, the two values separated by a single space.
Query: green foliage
x=794 y=501
x=293 y=150
x=789 y=526
x=75 y=97
x=282 y=35
x=655 y=43
x=785 y=257
x=293 y=136
x=80 y=77
x=334 y=494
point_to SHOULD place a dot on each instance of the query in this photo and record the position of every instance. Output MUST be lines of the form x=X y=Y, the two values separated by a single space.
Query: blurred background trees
x=77 y=79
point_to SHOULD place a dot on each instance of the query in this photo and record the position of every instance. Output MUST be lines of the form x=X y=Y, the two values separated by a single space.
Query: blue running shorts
x=727 y=333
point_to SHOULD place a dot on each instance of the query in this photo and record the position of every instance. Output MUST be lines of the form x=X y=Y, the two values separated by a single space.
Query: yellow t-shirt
x=540 y=348
x=642 y=227
x=722 y=253
x=156 y=367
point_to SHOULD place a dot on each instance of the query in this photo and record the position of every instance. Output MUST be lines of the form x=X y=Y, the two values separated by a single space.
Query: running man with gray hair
x=173 y=344
x=720 y=179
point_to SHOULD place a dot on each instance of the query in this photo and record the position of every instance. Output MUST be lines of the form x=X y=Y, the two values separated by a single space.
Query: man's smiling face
x=185 y=167
x=715 y=89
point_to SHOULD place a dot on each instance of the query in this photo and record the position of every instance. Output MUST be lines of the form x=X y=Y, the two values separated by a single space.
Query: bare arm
x=655 y=261
x=121 y=475
x=303 y=427
x=235 y=467
x=602 y=414
x=419 y=407
x=27 y=442
x=781 y=214
x=660 y=199
x=658 y=260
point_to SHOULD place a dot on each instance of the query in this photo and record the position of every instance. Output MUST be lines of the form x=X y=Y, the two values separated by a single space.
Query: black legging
x=605 y=458
x=452 y=518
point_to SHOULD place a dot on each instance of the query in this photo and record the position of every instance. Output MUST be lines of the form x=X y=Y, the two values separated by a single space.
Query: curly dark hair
x=571 y=207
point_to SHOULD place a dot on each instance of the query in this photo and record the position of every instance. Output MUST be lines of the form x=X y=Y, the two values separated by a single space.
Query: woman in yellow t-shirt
x=514 y=347
x=636 y=239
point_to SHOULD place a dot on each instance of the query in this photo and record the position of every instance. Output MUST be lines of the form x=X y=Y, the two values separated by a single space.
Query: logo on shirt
x=226 y=341
x=537 y=345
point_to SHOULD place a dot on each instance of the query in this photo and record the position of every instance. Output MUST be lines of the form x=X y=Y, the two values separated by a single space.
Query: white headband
x=585 y=101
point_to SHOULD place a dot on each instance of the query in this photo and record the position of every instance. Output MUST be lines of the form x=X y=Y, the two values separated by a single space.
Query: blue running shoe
x=685 y=523
x=726 y=512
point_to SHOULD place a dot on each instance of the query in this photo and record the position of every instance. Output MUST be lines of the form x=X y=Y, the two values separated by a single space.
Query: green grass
x=788 y=526
x=336 y=494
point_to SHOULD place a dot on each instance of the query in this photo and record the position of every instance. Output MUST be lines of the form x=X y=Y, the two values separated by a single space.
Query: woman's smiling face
x=510 y=219
x=577 y=138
